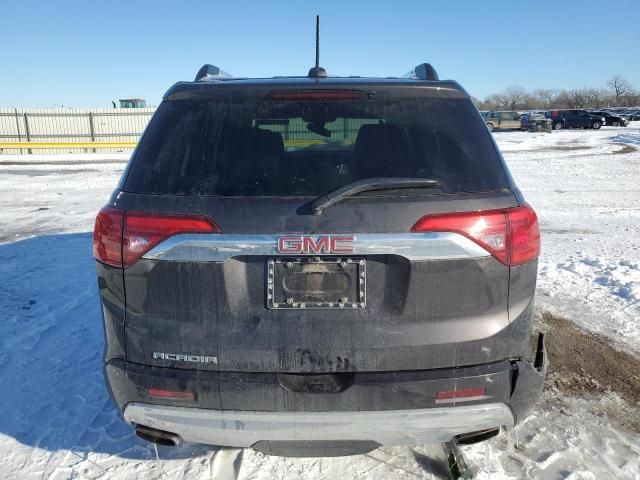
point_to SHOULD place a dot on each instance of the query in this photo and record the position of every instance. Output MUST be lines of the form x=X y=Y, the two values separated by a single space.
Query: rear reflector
x=511 y=235
x=465 y=395
x=107 y=236
x=316 y=95
x=120 y=238
x=170 y=394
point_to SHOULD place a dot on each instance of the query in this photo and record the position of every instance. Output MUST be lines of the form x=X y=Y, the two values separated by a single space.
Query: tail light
x=143 y=231
x=120 y=238
x=107 y=236
x=511 y=235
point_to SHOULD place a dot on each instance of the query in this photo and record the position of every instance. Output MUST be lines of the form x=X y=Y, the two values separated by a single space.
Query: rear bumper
x=389 y=408
x=391 y=427
x=515 y=383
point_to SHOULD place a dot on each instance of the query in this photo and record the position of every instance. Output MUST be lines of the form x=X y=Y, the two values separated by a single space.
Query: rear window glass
x=307 y=148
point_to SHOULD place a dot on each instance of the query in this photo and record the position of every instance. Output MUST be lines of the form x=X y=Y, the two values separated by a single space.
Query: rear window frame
x=499 y=164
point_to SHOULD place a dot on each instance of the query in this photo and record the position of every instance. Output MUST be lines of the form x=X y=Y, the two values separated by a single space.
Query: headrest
x=267 y=142
x=378 y=140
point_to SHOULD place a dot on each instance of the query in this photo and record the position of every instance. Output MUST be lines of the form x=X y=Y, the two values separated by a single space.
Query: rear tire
x=558 y=126
x=596 y=125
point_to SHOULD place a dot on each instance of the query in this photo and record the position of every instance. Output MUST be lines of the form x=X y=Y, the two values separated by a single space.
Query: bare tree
x=620 y=87
x=633 y=98
x=517 y=98
x=545 y=97
x=578 y=98
x=495 y=101
x=562 y=100
x=514 y=97
x=598 y=97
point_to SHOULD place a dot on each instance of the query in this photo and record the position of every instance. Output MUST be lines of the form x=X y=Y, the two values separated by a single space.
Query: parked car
x=318 y=266
x=575 y=119
x=505 y=120
x=610 y=119
x=535 y=122
x=633 y=115
x=623 y=112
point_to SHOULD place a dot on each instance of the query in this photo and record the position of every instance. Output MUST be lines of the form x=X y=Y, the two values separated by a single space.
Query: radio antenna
x=317 y=71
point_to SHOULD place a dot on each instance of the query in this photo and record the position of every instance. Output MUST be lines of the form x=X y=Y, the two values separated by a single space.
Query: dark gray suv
x=309 y=265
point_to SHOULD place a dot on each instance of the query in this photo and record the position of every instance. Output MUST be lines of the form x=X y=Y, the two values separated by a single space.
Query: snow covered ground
x=586 y=193
x=57 y=421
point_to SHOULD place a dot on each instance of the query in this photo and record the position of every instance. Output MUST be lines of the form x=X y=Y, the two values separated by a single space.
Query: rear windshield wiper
x=369 y=184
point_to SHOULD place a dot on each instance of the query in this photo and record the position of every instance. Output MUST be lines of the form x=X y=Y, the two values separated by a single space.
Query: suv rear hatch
x=227 y=267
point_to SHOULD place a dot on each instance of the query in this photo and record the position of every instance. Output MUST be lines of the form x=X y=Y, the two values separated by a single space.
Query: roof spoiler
x=211 y=72
x=424 y=71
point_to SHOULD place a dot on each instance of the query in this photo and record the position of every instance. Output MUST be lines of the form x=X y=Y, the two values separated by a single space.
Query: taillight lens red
x=120 y=238
x=143 y=231
x=525 y=235
x=511 y=235
x=107 y=236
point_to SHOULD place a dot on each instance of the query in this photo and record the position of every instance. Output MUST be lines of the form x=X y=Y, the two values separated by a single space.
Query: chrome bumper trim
x=388 y=427
x=221 y=247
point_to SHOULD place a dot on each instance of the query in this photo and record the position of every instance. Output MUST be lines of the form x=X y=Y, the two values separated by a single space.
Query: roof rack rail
x=424 y=71
x=211 y=72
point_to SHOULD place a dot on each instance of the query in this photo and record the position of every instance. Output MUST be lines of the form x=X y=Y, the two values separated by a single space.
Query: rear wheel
x=558 y=126
x=596 y=125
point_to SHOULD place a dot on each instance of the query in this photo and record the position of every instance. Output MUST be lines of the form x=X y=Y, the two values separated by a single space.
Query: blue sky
x=87 y=53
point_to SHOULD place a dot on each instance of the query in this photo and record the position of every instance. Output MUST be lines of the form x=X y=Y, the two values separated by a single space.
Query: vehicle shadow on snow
x=51 y=348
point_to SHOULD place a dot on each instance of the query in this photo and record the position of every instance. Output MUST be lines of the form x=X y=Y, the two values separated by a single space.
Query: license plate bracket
x=316 y=283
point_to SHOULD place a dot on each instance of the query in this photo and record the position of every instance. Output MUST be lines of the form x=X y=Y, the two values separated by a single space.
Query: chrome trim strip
x=388 y=427
x=221 y=247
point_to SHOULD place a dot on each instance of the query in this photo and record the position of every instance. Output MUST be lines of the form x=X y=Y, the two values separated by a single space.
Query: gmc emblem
x=308 y=245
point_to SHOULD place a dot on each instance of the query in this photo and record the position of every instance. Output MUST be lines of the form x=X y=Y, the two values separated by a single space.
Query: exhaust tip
x=476 y=437
x=159 y=437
